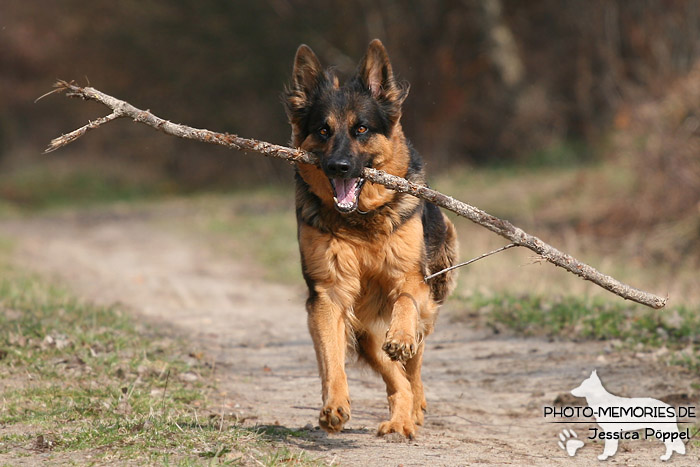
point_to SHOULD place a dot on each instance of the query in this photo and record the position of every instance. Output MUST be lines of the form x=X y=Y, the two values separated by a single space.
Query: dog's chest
x=387 y=256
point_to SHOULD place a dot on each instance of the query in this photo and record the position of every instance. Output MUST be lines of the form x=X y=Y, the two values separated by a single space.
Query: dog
x=365 y=249
x=617 y=415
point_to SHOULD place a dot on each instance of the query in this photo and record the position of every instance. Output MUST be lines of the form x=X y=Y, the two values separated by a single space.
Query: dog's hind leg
x=671 y=446
x=328 y=332
x=398 y=388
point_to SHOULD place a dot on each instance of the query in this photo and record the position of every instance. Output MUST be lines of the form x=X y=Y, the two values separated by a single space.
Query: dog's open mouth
x=346 y=193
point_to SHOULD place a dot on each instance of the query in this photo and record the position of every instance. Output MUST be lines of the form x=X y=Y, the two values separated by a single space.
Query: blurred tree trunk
x=502 y=47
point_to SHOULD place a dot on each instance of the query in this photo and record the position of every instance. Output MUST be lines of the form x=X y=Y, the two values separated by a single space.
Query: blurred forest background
x=494 y=83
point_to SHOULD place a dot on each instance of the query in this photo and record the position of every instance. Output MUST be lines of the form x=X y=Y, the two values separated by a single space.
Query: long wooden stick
x=122 y=109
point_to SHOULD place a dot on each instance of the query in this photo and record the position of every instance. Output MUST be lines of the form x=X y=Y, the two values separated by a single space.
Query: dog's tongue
x=345 y=190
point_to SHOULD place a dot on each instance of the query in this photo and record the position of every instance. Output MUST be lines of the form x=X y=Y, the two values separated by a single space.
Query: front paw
x=402 y=427
x=400 y=346
x=333 y=417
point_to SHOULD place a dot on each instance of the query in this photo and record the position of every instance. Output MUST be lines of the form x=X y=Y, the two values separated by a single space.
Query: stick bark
x=122 y=109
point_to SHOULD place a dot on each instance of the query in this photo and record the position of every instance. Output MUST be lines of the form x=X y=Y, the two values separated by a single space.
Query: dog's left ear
x=377 y=76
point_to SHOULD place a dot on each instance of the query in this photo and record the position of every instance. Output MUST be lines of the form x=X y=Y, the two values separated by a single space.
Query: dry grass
x=84 y=384
x=556 y=205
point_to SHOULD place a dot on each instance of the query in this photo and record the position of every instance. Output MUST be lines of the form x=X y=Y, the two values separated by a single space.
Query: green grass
x=84 y=383
x=43 y=188
x=566 y=153
x=675 y=328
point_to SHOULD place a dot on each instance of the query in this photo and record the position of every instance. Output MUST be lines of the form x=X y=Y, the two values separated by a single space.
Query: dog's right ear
x=307 y=69
x=306 y=77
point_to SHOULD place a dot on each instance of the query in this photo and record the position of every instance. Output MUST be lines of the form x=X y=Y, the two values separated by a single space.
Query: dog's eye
x=324 y=131
x=361 y=130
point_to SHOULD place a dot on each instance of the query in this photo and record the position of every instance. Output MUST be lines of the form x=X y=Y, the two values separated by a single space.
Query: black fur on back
x=440 y=250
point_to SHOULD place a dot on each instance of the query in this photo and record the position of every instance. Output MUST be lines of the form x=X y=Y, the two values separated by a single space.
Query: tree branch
x=499 y=226
x=467 y=263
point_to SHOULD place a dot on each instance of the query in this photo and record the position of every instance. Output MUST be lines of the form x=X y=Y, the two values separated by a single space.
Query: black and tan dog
x=365 y=249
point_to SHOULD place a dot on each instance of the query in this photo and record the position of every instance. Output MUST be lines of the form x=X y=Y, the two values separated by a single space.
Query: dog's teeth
x=335 y=199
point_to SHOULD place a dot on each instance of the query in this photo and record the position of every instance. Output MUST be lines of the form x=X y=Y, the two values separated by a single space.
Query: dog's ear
x=377 y=76
x=307 y=70
x=307 y=77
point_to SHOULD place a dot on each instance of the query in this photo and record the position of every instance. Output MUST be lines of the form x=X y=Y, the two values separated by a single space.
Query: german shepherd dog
x=365 y=249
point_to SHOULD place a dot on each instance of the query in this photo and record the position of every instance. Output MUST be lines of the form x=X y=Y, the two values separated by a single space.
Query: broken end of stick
x=62 y=140
x=62 y=85
x=55 y=143
x=59 y=86
x=70 y=88
x=644 y=298
x=662 y=302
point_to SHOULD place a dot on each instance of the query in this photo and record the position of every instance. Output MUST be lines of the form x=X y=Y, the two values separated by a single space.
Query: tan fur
x=373 y=290
x=391 y=157
x=365 y=271
x=370 y=285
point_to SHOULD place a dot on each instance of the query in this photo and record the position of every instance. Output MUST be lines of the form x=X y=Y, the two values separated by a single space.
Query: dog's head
x=589 y=386
x=347 y=127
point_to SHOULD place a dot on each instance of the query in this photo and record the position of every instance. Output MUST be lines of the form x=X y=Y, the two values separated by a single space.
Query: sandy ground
x=485 y=392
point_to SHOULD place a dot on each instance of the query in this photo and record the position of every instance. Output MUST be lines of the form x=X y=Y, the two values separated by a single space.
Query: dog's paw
x=569 y=442
x=400 y=346
x=332 y=418
x=403 y=427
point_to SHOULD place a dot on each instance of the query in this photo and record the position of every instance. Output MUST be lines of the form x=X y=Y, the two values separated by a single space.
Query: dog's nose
x=338 y=167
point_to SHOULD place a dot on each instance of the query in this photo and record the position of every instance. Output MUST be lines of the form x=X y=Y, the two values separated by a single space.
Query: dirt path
x=485 y=392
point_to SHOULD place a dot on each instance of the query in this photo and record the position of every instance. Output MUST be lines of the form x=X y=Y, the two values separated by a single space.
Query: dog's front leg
x=327 y=327
x=411 y=319
x=609 y=449
x=406 y=328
